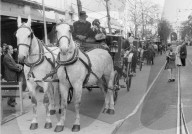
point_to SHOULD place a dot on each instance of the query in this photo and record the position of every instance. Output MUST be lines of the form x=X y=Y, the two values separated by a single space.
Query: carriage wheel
x=70 y=95
x=116 y=87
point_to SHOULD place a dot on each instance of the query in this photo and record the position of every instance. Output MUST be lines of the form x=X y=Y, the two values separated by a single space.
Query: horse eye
x=29 y=36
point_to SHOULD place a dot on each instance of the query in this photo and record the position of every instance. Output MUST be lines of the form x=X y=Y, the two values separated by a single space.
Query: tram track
x=181 y=122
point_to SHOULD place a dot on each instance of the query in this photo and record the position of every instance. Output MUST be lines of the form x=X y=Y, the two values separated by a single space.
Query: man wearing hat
x=81 y=27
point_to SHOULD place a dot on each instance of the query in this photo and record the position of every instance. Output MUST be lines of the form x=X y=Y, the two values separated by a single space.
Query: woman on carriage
x=99 y=33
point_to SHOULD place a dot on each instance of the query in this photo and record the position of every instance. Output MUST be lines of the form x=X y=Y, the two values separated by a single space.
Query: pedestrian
x=183 y=53
x=170 y=65
x=11 y=69
x=177 y=52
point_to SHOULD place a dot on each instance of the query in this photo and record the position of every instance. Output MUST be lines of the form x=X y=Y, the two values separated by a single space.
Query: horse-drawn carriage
x=74 y=69
x=116 y=44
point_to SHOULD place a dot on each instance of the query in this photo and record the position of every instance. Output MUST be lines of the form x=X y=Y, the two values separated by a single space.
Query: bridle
x=63 y=36
x=31 y=36
x=41 y=50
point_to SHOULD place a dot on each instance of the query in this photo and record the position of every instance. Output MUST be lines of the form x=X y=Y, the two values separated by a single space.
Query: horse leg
x=78 y=93
x=57 y=96
x=32 y=87
x=51 y=96
x=109 y=99
x=46 y=102
x=102 y=87
x=64 y=94
x=110 y=91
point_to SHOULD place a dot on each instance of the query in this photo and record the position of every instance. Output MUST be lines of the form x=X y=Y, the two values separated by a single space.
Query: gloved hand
x=81 y=37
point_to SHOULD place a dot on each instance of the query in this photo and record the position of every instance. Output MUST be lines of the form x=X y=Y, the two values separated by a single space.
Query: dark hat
x=96 y=22
x=83 y=13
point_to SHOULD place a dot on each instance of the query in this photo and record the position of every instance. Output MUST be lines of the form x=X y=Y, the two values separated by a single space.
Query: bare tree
x=186 y=31
x=164 y=30
x=144 y=15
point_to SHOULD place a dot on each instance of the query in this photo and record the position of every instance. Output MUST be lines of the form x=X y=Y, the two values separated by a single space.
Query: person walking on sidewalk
x=183 y=53
x=170 y=65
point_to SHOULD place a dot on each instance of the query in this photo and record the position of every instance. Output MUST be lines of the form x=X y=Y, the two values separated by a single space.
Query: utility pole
x=44 y=22
x=108 y=16
x=79 y=6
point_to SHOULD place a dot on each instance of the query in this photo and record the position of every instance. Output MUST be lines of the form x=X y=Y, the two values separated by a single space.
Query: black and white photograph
x=96 y=66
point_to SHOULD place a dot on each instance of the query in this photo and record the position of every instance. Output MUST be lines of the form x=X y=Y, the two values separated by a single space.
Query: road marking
x=119 y=123
x=181 y=123
x=178 y=103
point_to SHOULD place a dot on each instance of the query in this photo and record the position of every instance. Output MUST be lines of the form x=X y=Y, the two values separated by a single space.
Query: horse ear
x=19 y=21
x=29 y=21
x=57 y=18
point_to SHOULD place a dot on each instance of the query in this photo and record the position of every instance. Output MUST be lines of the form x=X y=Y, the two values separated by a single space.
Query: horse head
x=64 y=35
x=24 y=35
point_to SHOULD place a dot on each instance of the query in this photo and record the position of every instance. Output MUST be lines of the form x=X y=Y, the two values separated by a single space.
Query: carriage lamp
x=114 y=47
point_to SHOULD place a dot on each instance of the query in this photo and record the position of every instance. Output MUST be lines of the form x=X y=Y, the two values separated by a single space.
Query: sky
x=177 y=10
x=174 y=11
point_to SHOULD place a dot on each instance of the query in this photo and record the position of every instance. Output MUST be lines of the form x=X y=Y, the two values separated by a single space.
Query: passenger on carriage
x=99 y=33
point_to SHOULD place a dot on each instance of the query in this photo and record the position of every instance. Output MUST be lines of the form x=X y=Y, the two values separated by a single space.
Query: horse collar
x=72 y=60
x=40 y=59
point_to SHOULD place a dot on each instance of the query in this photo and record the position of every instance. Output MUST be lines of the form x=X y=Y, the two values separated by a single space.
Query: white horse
x=73 y=72
x=38 y=61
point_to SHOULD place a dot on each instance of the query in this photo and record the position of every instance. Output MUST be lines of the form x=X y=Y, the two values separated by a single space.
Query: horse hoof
x=34 y=126
x=111 y=111
x=76 y=128
x=48 y=125
x=105 y=110
x=52 y=112
x=59 y=128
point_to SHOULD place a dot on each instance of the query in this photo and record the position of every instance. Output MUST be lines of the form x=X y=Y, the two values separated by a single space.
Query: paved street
x=92 y=118
x=156 y=114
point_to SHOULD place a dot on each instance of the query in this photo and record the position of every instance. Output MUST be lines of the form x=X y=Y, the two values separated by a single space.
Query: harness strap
x=89 y=68
x=52 y=72
x=67 y=76
x=51 y=62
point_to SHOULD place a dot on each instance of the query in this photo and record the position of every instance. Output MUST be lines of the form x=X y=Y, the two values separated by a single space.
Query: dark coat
x=80 y=28
x=11 y=68
x=183 y=52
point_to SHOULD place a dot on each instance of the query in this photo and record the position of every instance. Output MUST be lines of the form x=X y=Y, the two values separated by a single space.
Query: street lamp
x=114 y=49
